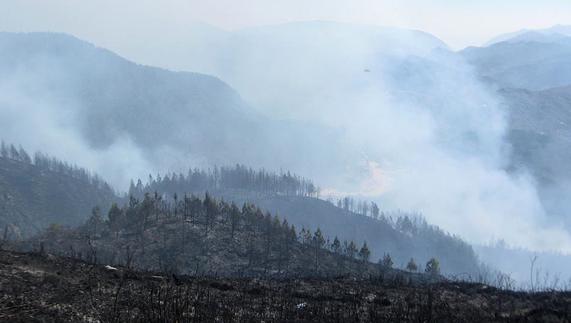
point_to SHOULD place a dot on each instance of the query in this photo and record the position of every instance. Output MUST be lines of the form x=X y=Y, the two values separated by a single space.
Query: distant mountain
x=531 y=72
x=92 y=96
x=540 y=136
x=110 y=97
x=538 y=37
x=35 y=194
x=296 y=68
x=530 y=61
x=547 y=34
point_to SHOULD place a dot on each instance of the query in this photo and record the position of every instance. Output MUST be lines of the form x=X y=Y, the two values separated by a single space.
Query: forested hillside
x=399 y=234
x=36 y=191
x=40 y=192
x=204 y=236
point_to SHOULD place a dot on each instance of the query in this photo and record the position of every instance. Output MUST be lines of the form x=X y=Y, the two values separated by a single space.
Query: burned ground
x=45 y=288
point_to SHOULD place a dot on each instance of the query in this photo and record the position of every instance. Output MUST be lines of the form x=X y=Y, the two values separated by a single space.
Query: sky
x=459 y=23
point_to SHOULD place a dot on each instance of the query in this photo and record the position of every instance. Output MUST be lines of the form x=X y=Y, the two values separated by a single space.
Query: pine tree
x=24 y=157
x=386 y=262
x=336 y=246
x=411 y=266
x=351 y=250
x=432 y=267
x=211 y=210
x=374 y=210
x=115 y=216
x=364 y=253
x=3 y=150
x=234 y=219
x=14 y=153
x=95 y=222
x=318 y=242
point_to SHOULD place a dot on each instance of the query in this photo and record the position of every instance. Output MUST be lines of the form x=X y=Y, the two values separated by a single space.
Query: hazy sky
x=108 y=22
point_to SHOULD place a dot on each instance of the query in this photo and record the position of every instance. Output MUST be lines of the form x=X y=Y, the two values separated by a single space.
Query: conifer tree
x=318 y=242
x=411 y=266
x=115 y=218
x=386 y=262
x=336 y=246
x=234 y=219
x=364 y=252
x=432 y=267
x=351 y=250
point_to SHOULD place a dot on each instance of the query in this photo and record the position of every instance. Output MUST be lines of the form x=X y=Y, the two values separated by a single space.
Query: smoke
x=425 y=133
x=33 y=117
x=413 y=127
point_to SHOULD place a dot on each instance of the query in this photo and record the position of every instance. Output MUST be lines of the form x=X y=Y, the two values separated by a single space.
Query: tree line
x=46 y=163
x=238 y=177
x=412 y=225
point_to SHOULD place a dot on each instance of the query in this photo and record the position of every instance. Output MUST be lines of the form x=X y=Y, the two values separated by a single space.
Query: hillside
x=203 y=237
x=109 y=97
x=104 y=105
x=539 y=130
x=534 y=64
x=37 y=193
x=556 y=32
x=539 y=135
x=400 y=234
x=44 y=288
x=530 y=71
x=42 y=192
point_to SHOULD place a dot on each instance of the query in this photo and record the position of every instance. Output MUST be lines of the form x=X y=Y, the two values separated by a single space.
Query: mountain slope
x=36 y=195
x=540 y=136
x=400 y=234
x=298 y=65
x=203 y=237
x=533 y=62
x=556 y=31
x=110 y=97
x=104 y=105
x=531 y=72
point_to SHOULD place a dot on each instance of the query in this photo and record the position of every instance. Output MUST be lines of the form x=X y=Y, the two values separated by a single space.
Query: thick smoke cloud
x=429 y=132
